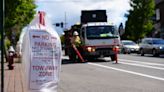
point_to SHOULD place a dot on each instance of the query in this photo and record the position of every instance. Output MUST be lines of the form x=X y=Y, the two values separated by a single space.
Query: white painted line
x=141 y=62
x=131 y=72
x=142 y=65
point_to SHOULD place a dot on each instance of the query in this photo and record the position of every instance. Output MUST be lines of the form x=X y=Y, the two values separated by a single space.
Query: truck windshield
x=101 y=32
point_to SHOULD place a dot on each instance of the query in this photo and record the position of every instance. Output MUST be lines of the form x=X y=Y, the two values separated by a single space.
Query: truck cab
x=99 y=40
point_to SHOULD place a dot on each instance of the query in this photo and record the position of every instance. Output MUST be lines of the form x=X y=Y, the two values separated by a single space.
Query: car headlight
x=160 y=47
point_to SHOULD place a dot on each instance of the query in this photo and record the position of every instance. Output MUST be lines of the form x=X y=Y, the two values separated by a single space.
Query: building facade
x=159 y=24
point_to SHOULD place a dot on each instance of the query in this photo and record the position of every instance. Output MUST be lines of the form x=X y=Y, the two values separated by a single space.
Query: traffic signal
x=57 y=24
x=61 y=24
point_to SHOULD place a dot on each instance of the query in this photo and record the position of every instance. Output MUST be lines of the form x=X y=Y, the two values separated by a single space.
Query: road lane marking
x=142 y=65
x=127 y=71
x=141 y=62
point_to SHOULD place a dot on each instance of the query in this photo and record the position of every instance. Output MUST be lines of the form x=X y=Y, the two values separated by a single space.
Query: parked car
x=153 y=46
x=129 y=46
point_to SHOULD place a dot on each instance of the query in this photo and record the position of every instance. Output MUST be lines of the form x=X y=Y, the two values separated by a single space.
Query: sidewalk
x=14 y=79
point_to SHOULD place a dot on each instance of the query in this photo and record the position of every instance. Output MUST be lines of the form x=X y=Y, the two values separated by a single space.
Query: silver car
x=129 y=46
x=153 y=46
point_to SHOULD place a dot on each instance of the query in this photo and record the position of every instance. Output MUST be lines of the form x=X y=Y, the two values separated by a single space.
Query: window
x=158 y=41
x=157 y=14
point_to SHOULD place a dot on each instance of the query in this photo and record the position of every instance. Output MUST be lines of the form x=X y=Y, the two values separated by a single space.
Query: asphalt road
x=134 y=73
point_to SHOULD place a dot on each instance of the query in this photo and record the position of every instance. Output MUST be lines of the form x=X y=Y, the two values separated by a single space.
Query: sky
x=69 y=11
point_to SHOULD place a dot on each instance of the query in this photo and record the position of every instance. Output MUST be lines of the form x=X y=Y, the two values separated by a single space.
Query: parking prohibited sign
x=45 y=59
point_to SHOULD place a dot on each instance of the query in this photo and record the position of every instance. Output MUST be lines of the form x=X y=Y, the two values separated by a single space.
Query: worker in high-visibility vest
x=77 y=42
x=76 y=39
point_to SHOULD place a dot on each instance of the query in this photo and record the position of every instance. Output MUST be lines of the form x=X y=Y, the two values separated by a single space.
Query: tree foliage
x=62 y=39
x=139 y=21
x=18 y=13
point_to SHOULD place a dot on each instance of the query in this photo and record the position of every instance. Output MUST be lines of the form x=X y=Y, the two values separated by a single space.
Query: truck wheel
x=112 y=58
x=89 y=59
x=70 y=57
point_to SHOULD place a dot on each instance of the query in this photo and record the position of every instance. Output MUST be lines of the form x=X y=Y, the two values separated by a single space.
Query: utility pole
x=2 y=9
x=65 y=21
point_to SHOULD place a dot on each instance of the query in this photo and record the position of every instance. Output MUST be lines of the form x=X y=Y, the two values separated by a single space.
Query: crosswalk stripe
x=127 y=71
x=142 y=65
x=141 y=62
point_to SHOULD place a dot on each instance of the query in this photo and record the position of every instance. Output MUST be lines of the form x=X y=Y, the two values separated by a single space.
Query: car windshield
x=158 y=41
x=128 y=43
x=99 y=32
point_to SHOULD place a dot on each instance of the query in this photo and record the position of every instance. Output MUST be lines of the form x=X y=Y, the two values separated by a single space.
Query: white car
x=129 y=46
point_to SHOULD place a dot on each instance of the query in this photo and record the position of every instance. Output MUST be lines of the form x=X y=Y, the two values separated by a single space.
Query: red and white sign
x=41 y=55
x=45 y=59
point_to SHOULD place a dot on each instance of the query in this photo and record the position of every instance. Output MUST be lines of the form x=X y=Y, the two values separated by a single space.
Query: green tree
x=139 y=21
x=18 y=13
